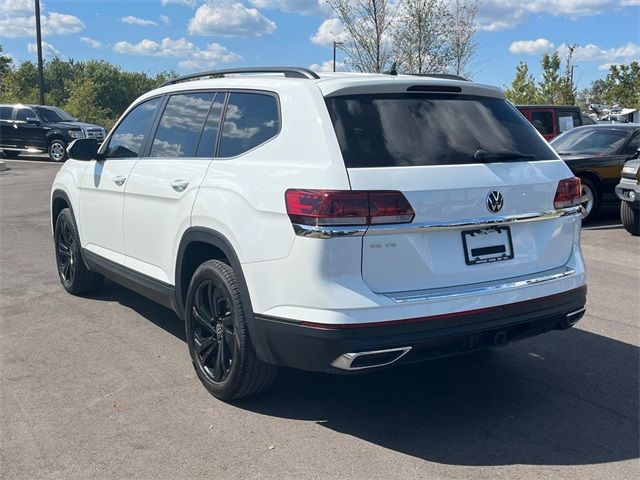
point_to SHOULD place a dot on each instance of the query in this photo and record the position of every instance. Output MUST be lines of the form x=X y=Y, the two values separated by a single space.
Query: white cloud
x=531 y=47
x=318 y=8
x=193 y=56
x=328 y=66
x=188 y=3
x=497 y=15
x=143 y=22
x=52 y=24
x=329 y=31
x=91 y=42
x=8 y=7
x=592 y=53
x=165 y=19
x=48 y=50
x=230 y=20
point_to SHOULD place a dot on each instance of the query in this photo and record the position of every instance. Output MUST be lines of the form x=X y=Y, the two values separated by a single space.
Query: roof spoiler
x=289 y=72
x=447 y=76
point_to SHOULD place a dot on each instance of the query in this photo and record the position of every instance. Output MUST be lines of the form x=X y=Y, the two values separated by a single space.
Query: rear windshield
x=415 y=129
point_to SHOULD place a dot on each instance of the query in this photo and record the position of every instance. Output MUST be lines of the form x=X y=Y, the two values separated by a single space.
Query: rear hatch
x=459 y=160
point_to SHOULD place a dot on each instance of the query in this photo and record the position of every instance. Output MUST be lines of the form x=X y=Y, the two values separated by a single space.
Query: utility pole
x=39 y=45
x=335 y=45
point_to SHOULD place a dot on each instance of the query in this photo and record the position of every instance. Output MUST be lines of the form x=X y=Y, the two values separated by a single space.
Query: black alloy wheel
x=65 y=253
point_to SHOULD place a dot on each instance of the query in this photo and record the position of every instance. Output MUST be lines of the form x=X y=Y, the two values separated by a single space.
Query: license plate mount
x=487 y=245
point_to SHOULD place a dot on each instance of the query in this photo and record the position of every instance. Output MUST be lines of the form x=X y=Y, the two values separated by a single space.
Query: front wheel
x=219 y=344
x=57 y=150
x=630 y=218
x=74 y=275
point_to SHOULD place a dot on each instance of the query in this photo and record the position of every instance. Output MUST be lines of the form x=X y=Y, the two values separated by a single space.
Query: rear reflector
x=568 y=193
x=347 y=207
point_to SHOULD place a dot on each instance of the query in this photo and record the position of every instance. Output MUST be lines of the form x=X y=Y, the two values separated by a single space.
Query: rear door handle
x=119 y=180
x=179 y=185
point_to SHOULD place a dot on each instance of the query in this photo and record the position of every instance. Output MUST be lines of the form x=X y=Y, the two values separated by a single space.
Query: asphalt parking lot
x=103 y=387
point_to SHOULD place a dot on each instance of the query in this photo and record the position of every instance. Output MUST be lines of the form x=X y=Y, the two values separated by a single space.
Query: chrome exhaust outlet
x=372 y=359
x=573 y=317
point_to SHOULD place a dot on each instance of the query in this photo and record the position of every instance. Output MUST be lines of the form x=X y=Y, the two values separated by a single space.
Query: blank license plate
x=485 y=245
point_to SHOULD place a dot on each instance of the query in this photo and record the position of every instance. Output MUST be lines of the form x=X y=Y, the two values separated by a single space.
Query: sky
x=193 y=35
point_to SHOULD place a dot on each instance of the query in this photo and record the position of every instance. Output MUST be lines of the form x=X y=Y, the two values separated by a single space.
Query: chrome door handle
x=119 y=180
x=179 y=185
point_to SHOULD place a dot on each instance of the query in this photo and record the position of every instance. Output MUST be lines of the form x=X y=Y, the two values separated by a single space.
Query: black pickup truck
x=39 y=128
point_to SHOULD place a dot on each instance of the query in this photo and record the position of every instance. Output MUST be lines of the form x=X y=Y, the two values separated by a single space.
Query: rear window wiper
x=482 y=155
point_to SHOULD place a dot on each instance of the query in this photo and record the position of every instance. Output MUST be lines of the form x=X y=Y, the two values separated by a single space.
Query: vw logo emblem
x=495 y=201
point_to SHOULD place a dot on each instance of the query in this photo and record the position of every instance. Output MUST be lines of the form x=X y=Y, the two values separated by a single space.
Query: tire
x=74 y=275
x=218 y=338
x=10 y=154
x=591 y=200
x=630 y=218
x=57 y=150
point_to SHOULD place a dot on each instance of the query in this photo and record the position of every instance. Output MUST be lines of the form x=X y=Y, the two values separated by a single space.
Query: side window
x=25 y=113
x=567 y=120
x=249 y=120
x=181 y=125
x=543 y=121
x=128 y=138
x=5 y=113
x=207 y=145
x=633 y=145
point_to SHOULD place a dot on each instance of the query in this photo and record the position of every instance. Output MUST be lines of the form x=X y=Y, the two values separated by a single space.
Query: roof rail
x=448 y=76
x=289 y=72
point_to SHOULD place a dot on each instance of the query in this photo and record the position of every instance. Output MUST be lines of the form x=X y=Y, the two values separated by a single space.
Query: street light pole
x=335 y=45
x=39 y=45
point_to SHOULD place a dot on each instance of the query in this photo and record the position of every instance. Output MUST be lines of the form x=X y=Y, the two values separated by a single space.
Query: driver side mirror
x=32 y=121
x=83 y=149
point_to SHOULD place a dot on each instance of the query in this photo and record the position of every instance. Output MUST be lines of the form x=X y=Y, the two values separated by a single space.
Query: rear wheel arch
x=199 y=244
x=593 y=177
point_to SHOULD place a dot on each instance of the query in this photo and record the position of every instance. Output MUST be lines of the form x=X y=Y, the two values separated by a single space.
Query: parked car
x=39 y=128
x=596 y=155
x=337 y=223
x=552 y=120
x=628 y=191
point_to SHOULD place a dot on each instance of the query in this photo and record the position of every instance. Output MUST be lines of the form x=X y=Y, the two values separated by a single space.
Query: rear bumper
x=326 y=347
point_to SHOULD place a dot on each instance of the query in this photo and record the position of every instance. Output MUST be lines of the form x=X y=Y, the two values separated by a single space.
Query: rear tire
x=57 y=150
x=630 y=218
x=10 y=154
x=219 y=344
x=74 y=275
x=590 y=200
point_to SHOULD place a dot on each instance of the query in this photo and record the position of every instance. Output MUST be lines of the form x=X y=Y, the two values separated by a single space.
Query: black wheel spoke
x=63 y=252
x=202 y=320
x=218 y=369
x=218 y=301
x=203 y=344
x=213 y=347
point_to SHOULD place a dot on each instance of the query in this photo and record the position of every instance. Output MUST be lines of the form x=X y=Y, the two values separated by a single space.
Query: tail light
x=347 y=207
x=568 y=193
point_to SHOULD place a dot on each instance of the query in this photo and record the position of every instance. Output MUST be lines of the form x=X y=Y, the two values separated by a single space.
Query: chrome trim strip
x=472 y=223
x=476 y=289
x=576 y=313
x=345 y=360
x=311 y=231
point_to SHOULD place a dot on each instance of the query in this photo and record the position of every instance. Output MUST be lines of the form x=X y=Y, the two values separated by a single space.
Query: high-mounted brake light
x=347 y=207
x=568 y=193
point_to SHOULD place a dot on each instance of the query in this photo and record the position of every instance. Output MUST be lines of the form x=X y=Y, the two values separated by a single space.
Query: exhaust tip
x=572 y=318
x=371 y=359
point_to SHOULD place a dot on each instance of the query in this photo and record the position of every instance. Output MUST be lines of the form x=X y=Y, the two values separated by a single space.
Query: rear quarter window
x=416 y=129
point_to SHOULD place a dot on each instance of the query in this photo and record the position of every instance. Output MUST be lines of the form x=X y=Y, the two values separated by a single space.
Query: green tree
x=5 y=64
x=550 y=89
x=622 y=85
x=523 y=88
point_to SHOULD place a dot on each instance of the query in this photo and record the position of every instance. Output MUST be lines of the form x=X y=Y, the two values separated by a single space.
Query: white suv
x=336 y=223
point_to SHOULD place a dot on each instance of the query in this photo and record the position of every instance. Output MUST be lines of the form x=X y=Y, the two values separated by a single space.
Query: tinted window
x=633 y=145
x=207 y=145
x=25 y=113
x=5 y=113
x=567 y=120
x=250 y=119
x=406 y=129
x=543 y=121
x=128 y=138
x=590 y=140
x=181 y=125
x=54 y=114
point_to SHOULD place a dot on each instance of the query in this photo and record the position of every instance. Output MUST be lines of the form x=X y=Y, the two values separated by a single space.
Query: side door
x=103 y=183
x=163 y=185
x=543 y=121
x=28 y=130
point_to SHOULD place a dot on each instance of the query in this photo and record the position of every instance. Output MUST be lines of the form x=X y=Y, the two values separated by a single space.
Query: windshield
x=54 y=114
x=590 y=140
x=415 y=129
